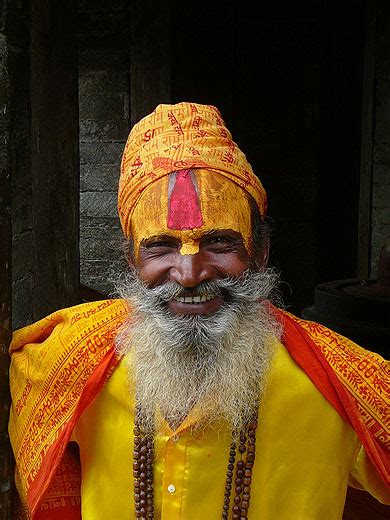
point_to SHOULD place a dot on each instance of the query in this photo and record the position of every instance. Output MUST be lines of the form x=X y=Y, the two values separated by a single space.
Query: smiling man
x=198 y=282
x=192 y=396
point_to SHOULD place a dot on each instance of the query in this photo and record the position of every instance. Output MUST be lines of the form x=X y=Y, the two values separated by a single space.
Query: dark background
x=302 y=86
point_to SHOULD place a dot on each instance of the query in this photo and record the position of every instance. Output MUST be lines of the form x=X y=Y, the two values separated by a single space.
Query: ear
x=262 y=257
x=129 y=254
x=130 y=262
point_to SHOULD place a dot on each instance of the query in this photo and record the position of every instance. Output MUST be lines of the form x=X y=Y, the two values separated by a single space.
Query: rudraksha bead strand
x=240 y=470
x=250 y=460
x=239 y=477
x=229 y=481
x=142 y=471
x=136 y=472
x=149 y=477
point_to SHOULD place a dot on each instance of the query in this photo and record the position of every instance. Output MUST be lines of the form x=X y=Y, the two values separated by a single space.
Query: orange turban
x=178 y=137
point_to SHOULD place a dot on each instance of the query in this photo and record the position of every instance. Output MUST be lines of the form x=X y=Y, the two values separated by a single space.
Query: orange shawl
x=60 y=363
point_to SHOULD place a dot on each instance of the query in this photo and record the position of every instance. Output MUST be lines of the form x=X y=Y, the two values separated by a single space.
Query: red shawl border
x=52 y=459
x=309 y=357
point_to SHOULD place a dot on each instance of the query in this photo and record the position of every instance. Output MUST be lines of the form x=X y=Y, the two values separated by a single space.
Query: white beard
x=218 y=361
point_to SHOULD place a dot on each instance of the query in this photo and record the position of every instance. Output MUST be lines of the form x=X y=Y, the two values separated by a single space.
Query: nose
x=190 y=270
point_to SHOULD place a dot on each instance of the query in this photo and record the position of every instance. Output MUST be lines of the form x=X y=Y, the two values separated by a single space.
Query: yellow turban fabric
x=177 y=137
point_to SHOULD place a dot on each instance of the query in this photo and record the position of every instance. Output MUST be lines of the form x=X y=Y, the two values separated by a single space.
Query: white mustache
x=250 y=286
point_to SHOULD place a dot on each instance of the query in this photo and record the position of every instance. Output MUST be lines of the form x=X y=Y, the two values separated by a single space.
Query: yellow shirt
x=305 y=457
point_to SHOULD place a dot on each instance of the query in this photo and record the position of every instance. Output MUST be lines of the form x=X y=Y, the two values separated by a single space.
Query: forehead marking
x=183 y=204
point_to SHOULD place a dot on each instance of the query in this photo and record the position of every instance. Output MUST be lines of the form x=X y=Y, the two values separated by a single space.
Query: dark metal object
x=88 y=294
x=357 y=308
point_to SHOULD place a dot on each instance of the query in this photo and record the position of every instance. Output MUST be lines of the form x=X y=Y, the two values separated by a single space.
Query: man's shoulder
x=58 y=365
x=321 y=351
x=56 y=357
x=353 y=379
x=78 y=321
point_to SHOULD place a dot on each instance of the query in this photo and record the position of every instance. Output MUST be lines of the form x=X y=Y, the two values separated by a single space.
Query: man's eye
x=220 y=240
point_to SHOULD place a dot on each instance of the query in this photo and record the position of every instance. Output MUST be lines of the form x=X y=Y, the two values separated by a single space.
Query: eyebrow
x=237 y=234
x=167 y=236
x=163 y=236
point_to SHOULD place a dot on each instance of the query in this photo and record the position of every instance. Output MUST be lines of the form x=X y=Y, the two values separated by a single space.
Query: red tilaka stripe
x=184 y=211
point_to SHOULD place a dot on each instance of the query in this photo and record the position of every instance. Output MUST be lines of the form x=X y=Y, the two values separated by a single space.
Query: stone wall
x=380 y=216
x=308 y=123
x=104 y=126
x=20 y=165
x=43 y=156
x=22 y=251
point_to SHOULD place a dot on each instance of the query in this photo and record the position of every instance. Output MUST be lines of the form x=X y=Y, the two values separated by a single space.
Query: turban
x=181 y=137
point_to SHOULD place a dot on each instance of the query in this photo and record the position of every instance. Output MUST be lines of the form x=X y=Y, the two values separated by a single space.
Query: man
x=193 y=396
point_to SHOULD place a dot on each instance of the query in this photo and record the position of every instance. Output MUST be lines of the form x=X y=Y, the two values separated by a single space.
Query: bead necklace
x=142 y=471
x=240 y=468
x=243 y=474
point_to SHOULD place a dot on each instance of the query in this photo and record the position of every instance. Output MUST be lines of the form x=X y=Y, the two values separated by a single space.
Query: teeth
x=195 y=299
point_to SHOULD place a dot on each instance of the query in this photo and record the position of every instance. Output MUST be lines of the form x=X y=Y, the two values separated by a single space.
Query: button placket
x=174 y=469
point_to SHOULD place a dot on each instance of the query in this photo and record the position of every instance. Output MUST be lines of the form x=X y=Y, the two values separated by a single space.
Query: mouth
x=197 y=304
x=195 y=299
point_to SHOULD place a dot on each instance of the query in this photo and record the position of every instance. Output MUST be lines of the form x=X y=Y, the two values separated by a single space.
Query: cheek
x=238 y=267
x=153 y=272
x=234 y=264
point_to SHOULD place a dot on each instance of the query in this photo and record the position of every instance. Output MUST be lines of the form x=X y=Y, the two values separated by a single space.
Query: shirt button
x=175 y=438
x=171 y=488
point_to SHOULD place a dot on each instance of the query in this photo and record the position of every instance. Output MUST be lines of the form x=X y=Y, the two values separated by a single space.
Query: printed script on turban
x=181 y=137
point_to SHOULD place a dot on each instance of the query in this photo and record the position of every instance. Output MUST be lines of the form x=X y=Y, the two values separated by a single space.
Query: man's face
x=220 y=247
x=221 y=254
x=199 y=328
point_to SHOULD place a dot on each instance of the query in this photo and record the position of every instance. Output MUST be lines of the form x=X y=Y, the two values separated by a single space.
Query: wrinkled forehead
x=188 y=203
